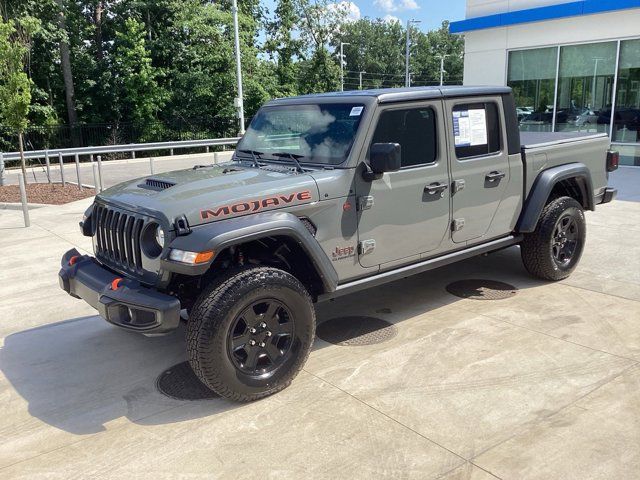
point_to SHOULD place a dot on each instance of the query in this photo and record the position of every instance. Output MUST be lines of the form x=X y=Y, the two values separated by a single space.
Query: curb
x=18 y=206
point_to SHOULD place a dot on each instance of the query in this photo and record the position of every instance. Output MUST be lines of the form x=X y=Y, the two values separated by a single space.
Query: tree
x=375 y=47
x=15 y=85
x=65 y=64
x=320 y=21
x=139 y=96
x=430 y=46
x=283 y=47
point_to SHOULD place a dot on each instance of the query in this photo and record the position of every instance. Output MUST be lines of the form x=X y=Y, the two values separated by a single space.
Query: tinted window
x=414 y=129
x=476 y=129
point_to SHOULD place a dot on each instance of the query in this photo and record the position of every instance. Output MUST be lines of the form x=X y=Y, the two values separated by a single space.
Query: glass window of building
x=532 y=76
x=585 y=87
x=626 y=122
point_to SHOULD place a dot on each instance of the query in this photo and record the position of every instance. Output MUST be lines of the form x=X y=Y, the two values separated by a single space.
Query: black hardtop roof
x=388 y=95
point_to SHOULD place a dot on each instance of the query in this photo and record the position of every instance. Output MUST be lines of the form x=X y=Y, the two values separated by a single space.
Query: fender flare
x=542 y=188
x=222 y=234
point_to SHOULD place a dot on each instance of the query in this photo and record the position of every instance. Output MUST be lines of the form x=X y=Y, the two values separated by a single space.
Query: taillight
x=613 y=159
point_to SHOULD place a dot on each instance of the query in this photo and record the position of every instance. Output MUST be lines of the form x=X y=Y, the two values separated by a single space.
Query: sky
x=431 y=13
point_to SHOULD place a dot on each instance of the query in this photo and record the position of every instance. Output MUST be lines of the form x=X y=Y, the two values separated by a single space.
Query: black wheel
x=249 y=335
x=554 y=249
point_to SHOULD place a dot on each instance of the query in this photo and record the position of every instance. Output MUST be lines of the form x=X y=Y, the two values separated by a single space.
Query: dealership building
x=573 y=65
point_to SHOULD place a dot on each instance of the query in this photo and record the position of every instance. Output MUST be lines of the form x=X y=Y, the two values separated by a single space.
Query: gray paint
x=542 y=189
x=218 y=236
x=411 y=232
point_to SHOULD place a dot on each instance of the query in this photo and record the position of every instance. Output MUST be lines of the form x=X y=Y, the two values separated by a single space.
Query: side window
x=414 y=129
x=476 y=129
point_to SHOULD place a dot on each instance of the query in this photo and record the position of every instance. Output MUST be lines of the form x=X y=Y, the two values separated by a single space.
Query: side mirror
x=383 y=157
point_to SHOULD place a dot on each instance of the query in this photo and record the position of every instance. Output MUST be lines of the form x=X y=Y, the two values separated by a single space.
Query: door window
x=414 y=129
x=476 y=129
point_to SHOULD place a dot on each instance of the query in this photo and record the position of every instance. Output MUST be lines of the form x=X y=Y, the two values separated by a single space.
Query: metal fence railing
x=88 y=153
x=118 y=133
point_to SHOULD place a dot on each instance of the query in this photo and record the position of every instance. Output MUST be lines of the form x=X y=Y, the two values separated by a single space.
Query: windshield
x=321 y=133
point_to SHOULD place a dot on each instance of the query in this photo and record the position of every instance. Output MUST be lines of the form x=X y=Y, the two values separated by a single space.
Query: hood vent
x=153 y=184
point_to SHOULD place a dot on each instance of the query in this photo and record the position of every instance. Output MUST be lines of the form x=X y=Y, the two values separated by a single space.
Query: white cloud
x=350 y=9
x=396 y=5
x=385 y=5
x=408 y=5
x=391 y=19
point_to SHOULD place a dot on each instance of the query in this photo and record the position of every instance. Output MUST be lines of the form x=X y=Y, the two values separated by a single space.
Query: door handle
x=493 y=176
x=435 y=188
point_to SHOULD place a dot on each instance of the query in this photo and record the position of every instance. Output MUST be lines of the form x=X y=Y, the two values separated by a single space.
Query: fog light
x=190 y=258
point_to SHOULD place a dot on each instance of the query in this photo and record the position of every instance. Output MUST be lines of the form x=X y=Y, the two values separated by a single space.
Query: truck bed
x=543 y=150
x=529 y=140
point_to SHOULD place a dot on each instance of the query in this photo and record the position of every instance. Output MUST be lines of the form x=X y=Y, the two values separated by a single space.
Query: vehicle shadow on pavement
x=83 y=374
x=421 y=294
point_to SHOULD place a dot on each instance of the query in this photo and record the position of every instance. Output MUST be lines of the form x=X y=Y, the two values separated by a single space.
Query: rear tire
x=250 y=334
x=553 y=250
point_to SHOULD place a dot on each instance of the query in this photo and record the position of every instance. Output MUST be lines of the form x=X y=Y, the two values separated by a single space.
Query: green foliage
x=134 y=79
x=376 y=47
x=428 y=48
x=15 y=85
x=156 y=64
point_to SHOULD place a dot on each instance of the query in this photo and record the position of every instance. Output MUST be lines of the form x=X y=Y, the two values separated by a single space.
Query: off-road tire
x=537 y=248
x=217 y=311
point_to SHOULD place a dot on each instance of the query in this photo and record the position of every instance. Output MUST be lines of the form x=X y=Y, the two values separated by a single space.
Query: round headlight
x=160 y=236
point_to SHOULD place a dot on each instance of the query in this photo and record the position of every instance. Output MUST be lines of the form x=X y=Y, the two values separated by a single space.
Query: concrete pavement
x=545 y=384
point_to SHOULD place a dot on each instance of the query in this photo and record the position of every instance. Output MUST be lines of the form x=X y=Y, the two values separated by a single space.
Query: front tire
x=249 y=335
x=553 y=250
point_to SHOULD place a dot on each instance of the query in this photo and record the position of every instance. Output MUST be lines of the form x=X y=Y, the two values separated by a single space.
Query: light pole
x=407 y=77
x=595 y=78
x=361 y=78
x=239 y=103
x=442 y=57
x=342 y=62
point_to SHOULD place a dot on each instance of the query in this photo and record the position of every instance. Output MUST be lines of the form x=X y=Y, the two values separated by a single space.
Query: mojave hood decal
x=253 y=206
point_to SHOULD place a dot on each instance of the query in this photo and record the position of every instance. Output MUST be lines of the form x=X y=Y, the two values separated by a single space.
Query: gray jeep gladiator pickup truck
x=325 y=195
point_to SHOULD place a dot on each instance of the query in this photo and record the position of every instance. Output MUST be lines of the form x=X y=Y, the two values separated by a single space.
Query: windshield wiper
x=293 y=157
x=254 y=156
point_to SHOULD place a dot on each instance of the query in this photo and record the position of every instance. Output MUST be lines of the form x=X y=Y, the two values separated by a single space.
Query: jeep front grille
x=117 y=234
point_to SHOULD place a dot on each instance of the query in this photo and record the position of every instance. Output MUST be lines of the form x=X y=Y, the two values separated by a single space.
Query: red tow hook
x=116 y=283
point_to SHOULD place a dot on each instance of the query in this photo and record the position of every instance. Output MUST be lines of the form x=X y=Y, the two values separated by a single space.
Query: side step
x=420 y=267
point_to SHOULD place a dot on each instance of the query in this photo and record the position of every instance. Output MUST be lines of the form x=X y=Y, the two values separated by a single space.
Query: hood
x=218 y=192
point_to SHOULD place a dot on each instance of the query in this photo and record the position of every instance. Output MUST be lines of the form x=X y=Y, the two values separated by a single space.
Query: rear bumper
x=131 y=306
x=609 y=195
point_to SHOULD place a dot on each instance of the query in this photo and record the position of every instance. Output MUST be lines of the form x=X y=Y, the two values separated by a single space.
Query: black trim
x=420 y=267
x=153 y=312
x=511 y=124
x=219 y=235
x=609 y=195
x=542 y=187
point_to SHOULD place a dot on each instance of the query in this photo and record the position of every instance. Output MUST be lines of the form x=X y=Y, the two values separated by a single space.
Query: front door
x=479 y=165
x=406 y=213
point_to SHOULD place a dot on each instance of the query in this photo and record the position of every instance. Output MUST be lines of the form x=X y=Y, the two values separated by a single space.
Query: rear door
x=479 y=164
x=406 y=213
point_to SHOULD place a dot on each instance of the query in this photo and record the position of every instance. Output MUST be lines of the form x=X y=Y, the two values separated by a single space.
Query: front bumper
x=130 y=306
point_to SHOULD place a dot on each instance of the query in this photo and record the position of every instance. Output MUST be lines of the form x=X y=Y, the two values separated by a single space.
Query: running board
x=420 y=267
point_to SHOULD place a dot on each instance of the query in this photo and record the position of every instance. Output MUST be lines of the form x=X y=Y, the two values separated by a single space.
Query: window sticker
x=470 y=127
x=356 y=111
